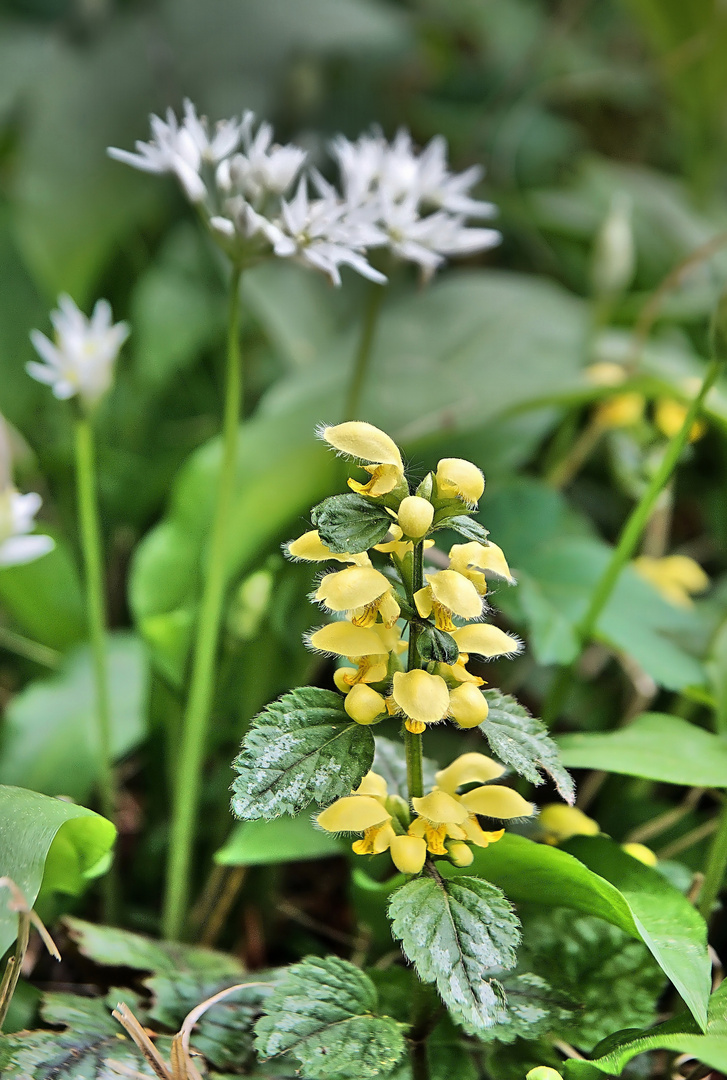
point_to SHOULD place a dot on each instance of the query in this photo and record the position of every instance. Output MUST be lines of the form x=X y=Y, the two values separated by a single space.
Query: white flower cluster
x=259 y=202
x=82 y=357
x=17 y=516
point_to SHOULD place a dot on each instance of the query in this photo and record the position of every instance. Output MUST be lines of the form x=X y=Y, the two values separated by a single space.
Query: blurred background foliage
x=570 y=103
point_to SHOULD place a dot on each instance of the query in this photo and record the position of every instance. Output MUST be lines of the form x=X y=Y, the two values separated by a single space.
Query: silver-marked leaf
x=323 y=1011
x=456 y=932
x=521 y=741
x=302 y=748
x=350 y=523
x=532 y=1008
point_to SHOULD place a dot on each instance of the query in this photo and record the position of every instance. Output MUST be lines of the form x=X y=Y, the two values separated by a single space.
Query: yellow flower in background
x=362 y=591
x=676 y=577
x=366 y=443
x=641 y=852
x=448 y=593
x=669 y=416
x=606 y=373
x=559 y=822
x=622 y=410
x=459 y=479
x=422 y=698
x=475 y=560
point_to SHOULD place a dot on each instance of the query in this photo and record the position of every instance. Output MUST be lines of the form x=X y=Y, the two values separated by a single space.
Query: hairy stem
x=413 y=743
x=363 y=354
x=714 y=872
x=195 y=723
x=88 y=515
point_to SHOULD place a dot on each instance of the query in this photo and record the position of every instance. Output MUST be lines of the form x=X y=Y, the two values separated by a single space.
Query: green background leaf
x=264 y=843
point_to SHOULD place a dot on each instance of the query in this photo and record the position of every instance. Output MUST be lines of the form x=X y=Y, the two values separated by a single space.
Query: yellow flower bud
x=641 y=852
x=460 y=853
x=459 y=479
x=559 y=822
x=353 y=813
x=606 y=373
x=497 y=802
x=440 y=808
x=421 y=697
x=345 y=639
x=408 y=853
x=363 y=704
x=364 y=442
x=468 y=769
x=486 y=640
x=543 y=1072
x=467 y=705
x=415 y=516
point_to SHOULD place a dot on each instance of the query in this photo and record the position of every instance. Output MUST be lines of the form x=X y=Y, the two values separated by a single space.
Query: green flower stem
x=14 y=965
x=96 y=612
x=716 y=867
x=629 y=539
x=413 y=743
x=195 y=723
x=363 y=355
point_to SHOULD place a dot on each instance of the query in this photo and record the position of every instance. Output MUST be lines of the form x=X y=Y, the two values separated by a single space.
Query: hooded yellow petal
x=459 y=479
x=363 y=704
x=354 y=813
x=384 y=478
x=456 y=593
x=310 y=548
x=423 y=601
x=479 y=836
x=487 y=557
x=467 y=705
x=440 y=808
x=560 y=822
x=354 y=587
x=497 y=802
x=641 y=852
x=363 y=441
x=415 y=516
x=468 y=769
x=485 y=640
x=373 y=784
x=408 y=853
x=421 y=696
x=345 y=639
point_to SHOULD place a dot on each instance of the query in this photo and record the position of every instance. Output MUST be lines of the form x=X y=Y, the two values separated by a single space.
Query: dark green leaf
x=351 y=523
x=466 y=526
x=264 y=843
x=437 y=645
x=521 y=741
x=656 y=746
x=303 y=748
x=456 y=932
x=324 y=1012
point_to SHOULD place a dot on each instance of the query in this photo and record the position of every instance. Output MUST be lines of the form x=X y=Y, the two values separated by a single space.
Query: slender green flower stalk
x=188 y=772
x=365 y=348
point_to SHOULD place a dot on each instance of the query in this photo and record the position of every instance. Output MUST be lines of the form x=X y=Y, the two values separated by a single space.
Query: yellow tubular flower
x=415 y=516
x=448 y=593
x=353 y=813
x=364 y=705
x=361 y=590
x=676 y=577
x=375 y=840
x=496 y=801
x=669 y=415
x=559 y=822
x=467 y=705
x=310 y=548
x=439 y=817
x=485 y=640
x=421 y=697
x=468 y=769
x=364 y=442
x=459 y=479
x=408 y=853
x=473 y=558
x=360 y=644
x=641 y=852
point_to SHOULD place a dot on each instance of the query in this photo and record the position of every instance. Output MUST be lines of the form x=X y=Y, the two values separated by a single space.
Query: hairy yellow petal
x=373 y=784
x=408 y=853
x=441 y=808
x=345 y=639
x=310 y=548
x=363 y=441
x=482 y=556
x=420 y=696
x=497 y=802
x=354 y=587
x=467 y=705
x=363 y=704
x=485 y=640
x=468 y=769
x=353 y=813
x=456 y=593
x=459 y=479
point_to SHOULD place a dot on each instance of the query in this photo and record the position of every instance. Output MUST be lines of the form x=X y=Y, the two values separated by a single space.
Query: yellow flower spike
x=448 y=593
x=345 y=639
x=641 y=852
x=459 y=479
x=669 y=415
x=364 y=705
x=375 y=840
x=373 y=784
x=622 y=410
x=415 y=516
x=408 y=853
x=559 y=822
x=353 y=813
x=310 y=548
x=421 y=697
x=497 y=802
x=468 y=769
x=486 y=640
x=440 y=808
x=467 y=705
x=676 y=577
x=470 y=559
x=364 y=442
x=460 y=853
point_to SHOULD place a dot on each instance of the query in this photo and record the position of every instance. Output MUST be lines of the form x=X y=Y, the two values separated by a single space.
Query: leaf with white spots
x=455 y=932
x=302 y=748
x=522 y=742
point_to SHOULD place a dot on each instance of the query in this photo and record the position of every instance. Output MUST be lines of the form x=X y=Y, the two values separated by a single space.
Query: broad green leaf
x=351 y=523
x=302 y=748
x=44 y=598
x=50 y=736
x=324 y=1012
x=656 y=746
x=468 y=527
x=31 y=826
x=531 y=1008
x=89 y=1040
x=680 y=1035
x=521 y=741
x=604 y=881
x=455 y=932
x=264 y=843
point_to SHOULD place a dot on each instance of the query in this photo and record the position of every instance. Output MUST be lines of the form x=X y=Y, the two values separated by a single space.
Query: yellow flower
x=364 y=442
x=448 y=593
x=442 y=816
x=485 y=640
x=459 y=479
x=361 y=590
x=473 y=558
x=354 y=813
x=467 y=705
x=310 y=548
x=362 y=645
x=458 y=673
x=468 y=769
x=669 y=415
x=559 y=822
x=421 y=697
x=496 y=801
x=363 y=704
x=408 y=853
x=415 y=516
x=622 y=410
x=676 y=577
x=641 y=852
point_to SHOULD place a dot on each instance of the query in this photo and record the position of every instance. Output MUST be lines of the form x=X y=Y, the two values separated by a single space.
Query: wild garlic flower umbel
x=81 y=358
x=18 y=543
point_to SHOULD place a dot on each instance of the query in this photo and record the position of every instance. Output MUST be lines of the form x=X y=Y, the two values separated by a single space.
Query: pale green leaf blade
x=456 y=932
x=323 y=1011
x=302 y=748
x=521 y=741
x=265 y=843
